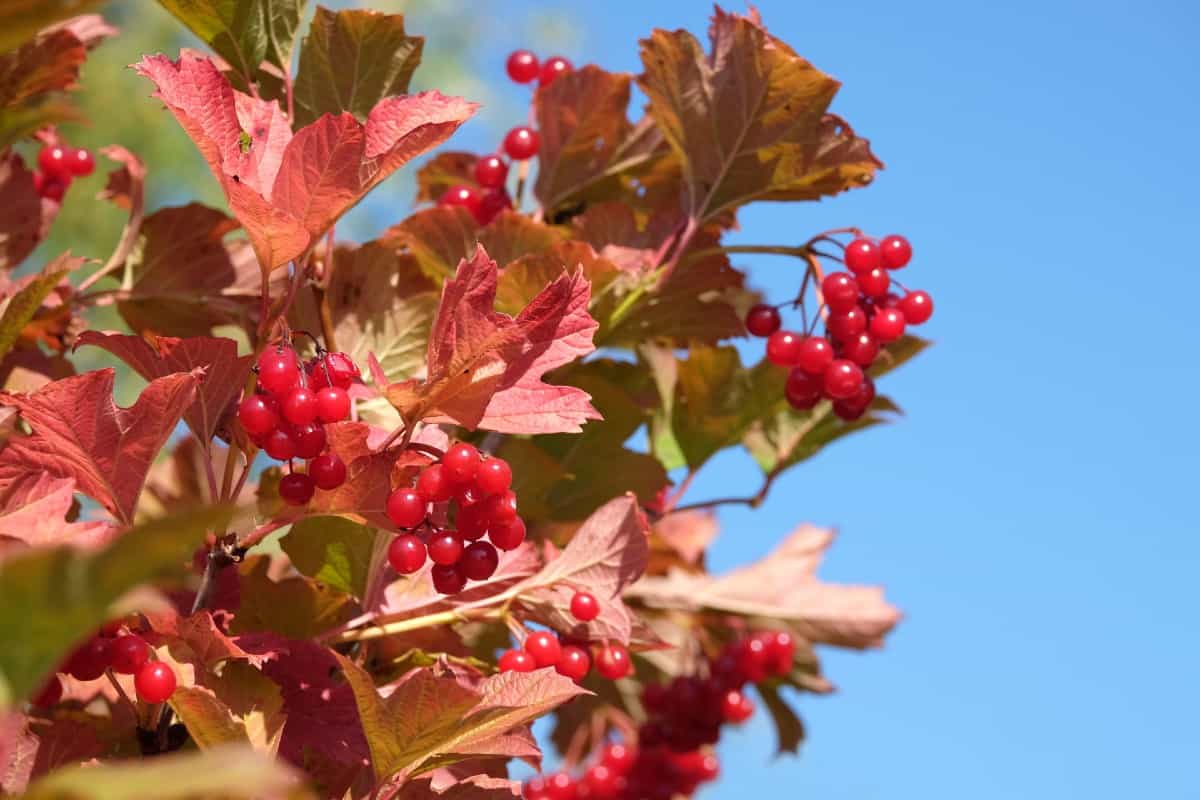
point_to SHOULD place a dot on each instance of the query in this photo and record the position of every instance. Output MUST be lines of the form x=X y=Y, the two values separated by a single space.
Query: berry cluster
x=121 y=651
x=452 y=506
x=569 y=657
x=863 y=316
x=625 y=772
x=58 y=166
x=287 y=415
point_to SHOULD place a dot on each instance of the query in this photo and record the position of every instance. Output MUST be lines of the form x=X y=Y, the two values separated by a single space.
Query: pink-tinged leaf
x=18 y=751
x=37 y=514
x=783 y=586
x=157 y=356
x=606 y=555
x=27 y=371
x=687 y=533
x=197 y=640
x=485 y=368
x=80 y=433
x=91 y=29
x=25 y=217
x=287 y=190
x=475 y=787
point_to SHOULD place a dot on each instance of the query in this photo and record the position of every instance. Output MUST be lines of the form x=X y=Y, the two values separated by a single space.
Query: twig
x=754 y=501
x=261 y=532
x=121 y=692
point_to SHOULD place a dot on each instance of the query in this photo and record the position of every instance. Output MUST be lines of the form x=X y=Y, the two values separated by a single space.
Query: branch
x=753 y=501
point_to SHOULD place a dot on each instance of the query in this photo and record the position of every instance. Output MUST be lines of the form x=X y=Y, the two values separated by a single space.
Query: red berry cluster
x=121 y=651
x=569 y=657
x=523 y=67
x=625 y=772
x=863 y=316
x=58 y=166
x=287 y=415
x=471 y=493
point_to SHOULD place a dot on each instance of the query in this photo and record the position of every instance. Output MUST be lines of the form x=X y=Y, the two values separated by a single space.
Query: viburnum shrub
x=379 y=506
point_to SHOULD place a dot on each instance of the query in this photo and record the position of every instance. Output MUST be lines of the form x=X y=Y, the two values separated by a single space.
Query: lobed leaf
x=39 y=515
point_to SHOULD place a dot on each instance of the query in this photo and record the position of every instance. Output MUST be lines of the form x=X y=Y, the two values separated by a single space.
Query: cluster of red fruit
x=58 y=166
x=521 y=143
x=453 y=505
x=123 y=652
x=287 y=415
x=624 y=772
x=863 y=315
x=568 y=656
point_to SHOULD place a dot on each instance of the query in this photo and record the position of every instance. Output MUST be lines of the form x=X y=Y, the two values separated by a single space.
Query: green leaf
x=351 y=60
x=16 y=311
x=788 y=727
x=332 y=550
x=51 y=599
x=226 y=772
x=22 y=19
x=296 y=607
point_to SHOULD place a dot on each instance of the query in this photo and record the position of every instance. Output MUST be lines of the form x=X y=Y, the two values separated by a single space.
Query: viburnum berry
x=491 y=204
x=861 y=349
x=584 y=606
x=472 y=521
x=802 y=390
x=783 y=348
x=552 y=68
x=516 y=661
x=535 y=789
x=300 y=406
x=490 y=171
x=50 y=187
x=751 y=655
x=50 y=693
x=278 y=371
x=129 y=652
x=154 y=682
x=447 y=579
x=781 y=652
x=887 y=325
x=334 y=369
x=544 y=647
x=762 y=320
x=54 y=161
x=309 y=440
x=81 y=162
x=328 y=471
x=840 y=291
x=89 y=660
x=522 y=143
x=815 y=354
x=862 y=255
x=445 y=548
x=479 y=561
x=736 y=707
x=333 y=404
x=917 y=307
x=842 y=379
x=600 y=782
x=113 y=627
x=462 y=195
x=618 y=757
x=895 y=251
x=507 y=535
x=406 y=509
x=434 y=484
x=850 y=323
x=461 y=462
x=854 y=406
x=257 y=414
x=493 y=476
x=874 y=283
x=522 y=66
x=407 y=553
x=560 y=786
x=296 y=489
x=613 y=662
x=466 y=494
x=573 y=662
x=501 y=507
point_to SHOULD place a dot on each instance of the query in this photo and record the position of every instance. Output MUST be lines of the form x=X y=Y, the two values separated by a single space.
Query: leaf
x=332 y=550
x=29 y=77
x=687 y=534
x=22 y=19
x=228 y=772
x=294 y=607
x=224 y=372
x=351 y=60
x=287 y=190
x=209 y=721
x=748 y=122
x=437 y=238
x=38 y=514
x=485 y=368
x=783 y=586
x=475 y=787
x=788 y=727
x=196 y=640
x=447 y=168
x=50 y=599
x=25 y=218
x=21 y=301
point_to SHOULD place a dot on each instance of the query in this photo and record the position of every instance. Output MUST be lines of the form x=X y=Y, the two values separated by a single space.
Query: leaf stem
x=121 y=692
x=261 y=532
x=129 y=236
x=414 y=623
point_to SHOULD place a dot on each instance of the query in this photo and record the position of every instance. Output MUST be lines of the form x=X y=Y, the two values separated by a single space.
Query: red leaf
x=80 y=433
x=197 y=640
x=25 y=218
x=36 y=514
x=286 y=190
x=485 y=368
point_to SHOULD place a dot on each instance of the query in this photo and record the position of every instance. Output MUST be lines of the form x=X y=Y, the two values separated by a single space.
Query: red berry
x=51 y=187
x=80 y=162
x=816 y=353
x=874 y=283
x=895 y=251
x=613 y=662
x=751 y=655
x=783 y=348
x=113 y=627
x=573 y=662
x=55 y=162
x=479 y=561
x=491 y=204
x=447 y=579
x=618 y=757
x=560 y=786
x=840 y=291
x=309 y=440
x=888 y=325
x=406 y=553
x=49 y=695
x=300 y=406
x=445 y=548
x=279 y=445
x=257 y=414
x=434 y=484
x=494 y=476
x=333 y=404
x=736 y=707
x=461 y=462
x=842 y=379
x=803 y=391
x=462 y=195
x=535 y=789
x=861 y=349
x=522 y=66
x=296 y=489
x=917 y=307
x=847 y=324
x=781 y=651
x=472 y=521
x=762 y=320
x=406 y=509
x=500 y=508
x=585 y=607
x=129 y=653
x=90 y=659
x=544 y=648
x=522 y=143
x=601 y=783
x=507 y=535
x=328 y=471
x=154 y=682
x=710 y=769
x=862 y=255
x=277 y=371
x=553 y=67
x=490 y=171
x=336 y=369
x=516 y=661
x=854 y=406
x=466 y=494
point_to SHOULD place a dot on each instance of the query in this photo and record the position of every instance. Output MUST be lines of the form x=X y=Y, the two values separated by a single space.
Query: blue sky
x=1031 y=513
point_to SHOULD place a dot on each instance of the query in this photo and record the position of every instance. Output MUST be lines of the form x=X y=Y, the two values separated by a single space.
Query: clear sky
x=1033 y=514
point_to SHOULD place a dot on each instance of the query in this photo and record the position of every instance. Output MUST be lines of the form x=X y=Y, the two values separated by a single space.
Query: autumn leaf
x=224 y=372
x=332 y=550
x=295 y=607
x=20 y=300
x=685 y=534
x=287 y=190
x=789 y=729
x=197 y=640
x=474 y=787
x=25 y=217
x=484 y=368
x=80 y=433
x=749 y=120
x=448 y=168
x=39 y=514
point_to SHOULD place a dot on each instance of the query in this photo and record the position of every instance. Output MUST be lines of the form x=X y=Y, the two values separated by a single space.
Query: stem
x=261 y=532
x=522 y=175
x=413 y=623
x=326 y=313
x=121 y=692
x=754 y=501
x=814 y=266
x=681 y=245
x=231 y=457
x=129 y=236
x=209 y=473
